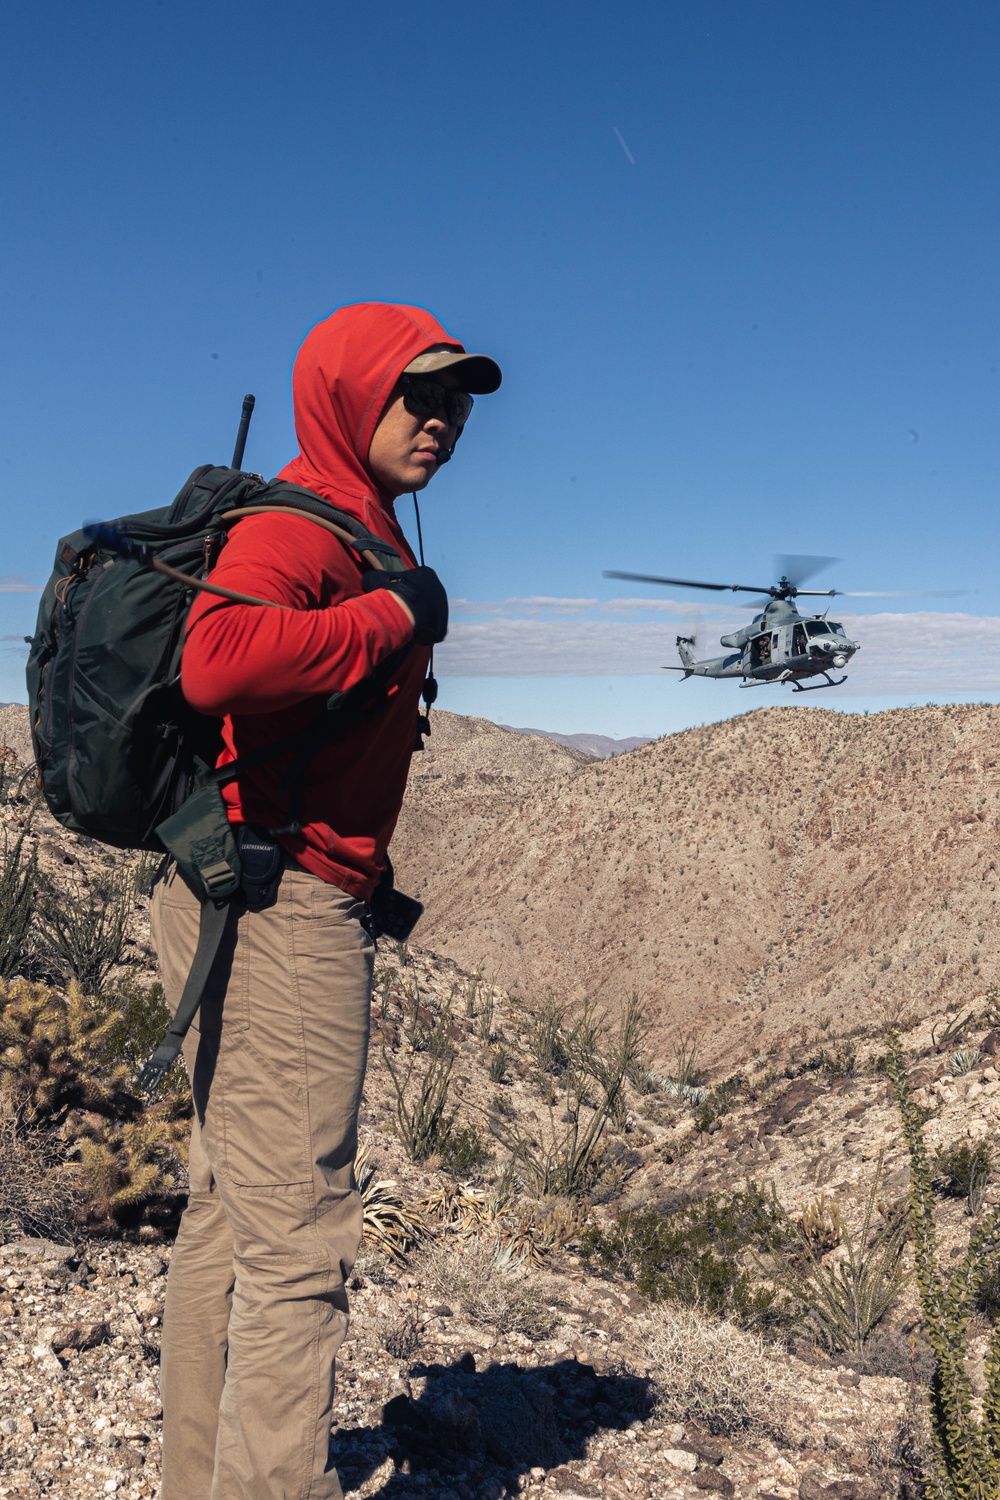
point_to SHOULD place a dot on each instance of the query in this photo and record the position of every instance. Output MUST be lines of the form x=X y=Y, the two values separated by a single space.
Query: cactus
x=964 y=1460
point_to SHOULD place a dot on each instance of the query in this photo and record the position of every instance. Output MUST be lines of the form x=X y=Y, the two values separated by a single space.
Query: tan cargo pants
x=256 y=1305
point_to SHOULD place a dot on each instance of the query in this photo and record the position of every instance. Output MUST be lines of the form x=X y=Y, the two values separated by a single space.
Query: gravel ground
x=429 y=1404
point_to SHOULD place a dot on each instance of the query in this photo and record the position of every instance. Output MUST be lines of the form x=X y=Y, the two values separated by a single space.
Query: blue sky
x=737 y=258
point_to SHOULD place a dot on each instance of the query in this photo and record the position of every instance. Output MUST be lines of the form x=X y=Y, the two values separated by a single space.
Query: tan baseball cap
x=477 y=373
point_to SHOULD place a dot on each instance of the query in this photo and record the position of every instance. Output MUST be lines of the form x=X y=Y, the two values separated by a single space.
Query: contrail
x=621 y=142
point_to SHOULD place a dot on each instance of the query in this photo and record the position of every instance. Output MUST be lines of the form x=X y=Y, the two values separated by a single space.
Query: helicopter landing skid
x=797 y=687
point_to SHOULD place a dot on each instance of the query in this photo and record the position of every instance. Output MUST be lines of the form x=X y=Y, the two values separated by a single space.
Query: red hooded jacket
x=269 y=671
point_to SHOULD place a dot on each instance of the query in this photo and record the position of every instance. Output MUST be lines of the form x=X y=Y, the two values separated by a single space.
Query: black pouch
x=390 y=913
x=262 y=860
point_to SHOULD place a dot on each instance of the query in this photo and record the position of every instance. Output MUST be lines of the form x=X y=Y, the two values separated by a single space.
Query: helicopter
x=779 y=644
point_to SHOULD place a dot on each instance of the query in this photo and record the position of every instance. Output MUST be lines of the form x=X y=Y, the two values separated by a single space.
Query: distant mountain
x=600 y=746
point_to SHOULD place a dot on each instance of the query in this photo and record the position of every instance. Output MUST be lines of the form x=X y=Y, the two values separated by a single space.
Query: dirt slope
x=750 y=877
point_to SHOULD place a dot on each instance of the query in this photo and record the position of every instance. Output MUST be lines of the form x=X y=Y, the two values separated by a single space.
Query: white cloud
x=925 y=652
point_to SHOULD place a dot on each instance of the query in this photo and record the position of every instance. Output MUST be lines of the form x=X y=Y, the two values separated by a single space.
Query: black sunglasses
x=425 y=398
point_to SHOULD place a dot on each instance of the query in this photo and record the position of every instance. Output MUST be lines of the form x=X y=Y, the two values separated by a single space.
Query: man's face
x=405 y=451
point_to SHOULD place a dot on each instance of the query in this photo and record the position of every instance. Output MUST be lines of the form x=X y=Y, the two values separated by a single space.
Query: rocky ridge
x=749 y=877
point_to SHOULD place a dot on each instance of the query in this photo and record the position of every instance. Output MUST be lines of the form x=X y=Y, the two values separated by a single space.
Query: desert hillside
x=750 y=878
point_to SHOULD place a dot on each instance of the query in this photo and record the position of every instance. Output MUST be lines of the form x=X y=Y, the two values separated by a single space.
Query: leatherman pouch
x=200 y=837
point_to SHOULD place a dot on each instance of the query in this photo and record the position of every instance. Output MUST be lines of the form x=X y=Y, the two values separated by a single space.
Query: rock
x=75 y=1335
x=145 y=1399
x=715 y=1480
x=680 y=1458
x=711 y=1449
x=40 y=1250
x=849 y=1378
x=43 y=1356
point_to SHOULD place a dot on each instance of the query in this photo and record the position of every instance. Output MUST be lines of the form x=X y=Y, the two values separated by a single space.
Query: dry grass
x=711 y=1372
x=491 y=1288
x=38 y=1197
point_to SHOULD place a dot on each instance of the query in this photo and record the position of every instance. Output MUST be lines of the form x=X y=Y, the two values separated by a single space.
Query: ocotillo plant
x=964 y=1460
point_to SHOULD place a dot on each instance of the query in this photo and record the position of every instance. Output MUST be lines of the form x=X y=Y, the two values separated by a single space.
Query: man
x=256 y=1302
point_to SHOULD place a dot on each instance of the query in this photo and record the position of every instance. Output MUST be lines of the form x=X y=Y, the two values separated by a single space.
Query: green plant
x=964 y=1446
x=962 y=1171
x=845 y=1302
x=498 y=1065
x=564 y=1162
x=692 y=1253
x=87 y=930
x=964 y=1060
x=143 y=873
x=18 y=877
x=687 y=1071
x=464 y=1152
x=548 y=1044
x=952 y=1031
x=719 y=1101
x=423 y=1123
x=139 y=1021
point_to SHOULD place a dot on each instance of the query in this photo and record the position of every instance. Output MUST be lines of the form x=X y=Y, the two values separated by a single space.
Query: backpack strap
x=211 y=929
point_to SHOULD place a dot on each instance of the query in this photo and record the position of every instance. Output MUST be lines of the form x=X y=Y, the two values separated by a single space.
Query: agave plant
x=390 y=1224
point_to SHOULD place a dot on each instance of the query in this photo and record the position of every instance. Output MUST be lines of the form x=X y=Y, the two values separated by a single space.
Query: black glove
x=423 y=591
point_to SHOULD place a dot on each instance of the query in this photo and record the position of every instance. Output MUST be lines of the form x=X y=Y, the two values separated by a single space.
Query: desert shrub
x=565 y=1161
x=501 y=1105
x=465 y=1152
x=18 y=878
x=38 y=1196
x=721 y=1377
x=423 y=1122
x=87 y=929
x=691 y=1254
x=840 y=1062
x=963 y=1461
x=548 y=1042
x=844 y=1302
x=144 y=872
x=893 y=1353
x=964 y=1060
x=491 y=1286
x=400 y=1336
x=140 y=1020
x=498 y=1065
x=962 y=1171
x=719 y=1101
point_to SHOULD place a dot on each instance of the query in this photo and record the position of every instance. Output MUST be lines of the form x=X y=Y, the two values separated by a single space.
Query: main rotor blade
x=690 y=583
x=906 y=593
x=797 y=567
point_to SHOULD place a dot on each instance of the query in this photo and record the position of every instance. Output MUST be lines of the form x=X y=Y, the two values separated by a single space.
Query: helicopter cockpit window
x=817 y=627
x=836 y=627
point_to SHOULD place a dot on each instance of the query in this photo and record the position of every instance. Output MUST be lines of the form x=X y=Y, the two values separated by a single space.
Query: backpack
x=116 y=746
x=120 y=755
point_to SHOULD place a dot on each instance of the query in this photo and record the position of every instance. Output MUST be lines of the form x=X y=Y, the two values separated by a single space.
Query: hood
x=342 y=378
